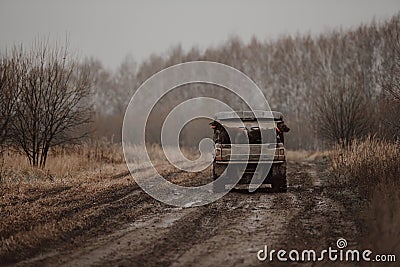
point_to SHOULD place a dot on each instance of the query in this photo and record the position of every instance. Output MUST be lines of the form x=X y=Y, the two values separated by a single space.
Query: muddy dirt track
x=123 y=226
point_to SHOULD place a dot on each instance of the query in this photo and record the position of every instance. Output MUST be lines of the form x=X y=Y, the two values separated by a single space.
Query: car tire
x=279 y=181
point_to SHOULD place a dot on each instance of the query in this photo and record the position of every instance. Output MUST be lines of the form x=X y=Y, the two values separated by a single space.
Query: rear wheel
x=279 y=181
x=214 y=174
x=218 y=186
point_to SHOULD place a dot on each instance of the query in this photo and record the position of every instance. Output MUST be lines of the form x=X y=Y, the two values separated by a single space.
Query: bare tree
x=10 y=73
x=50 y=106
x=341 y=110
x=390 y=80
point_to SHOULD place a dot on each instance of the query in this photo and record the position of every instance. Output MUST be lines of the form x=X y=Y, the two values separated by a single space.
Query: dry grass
x=81 y=188
x=77 y=163
x=371 y=169
x=368 y=164
x=64 y=163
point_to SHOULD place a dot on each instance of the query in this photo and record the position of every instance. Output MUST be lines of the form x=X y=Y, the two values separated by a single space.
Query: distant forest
x=332 y=88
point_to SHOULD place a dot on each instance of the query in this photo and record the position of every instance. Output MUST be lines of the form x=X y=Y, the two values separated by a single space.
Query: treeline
x=333 y=87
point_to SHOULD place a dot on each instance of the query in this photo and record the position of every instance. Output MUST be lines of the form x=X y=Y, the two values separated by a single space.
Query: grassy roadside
x=367 y=178
x=73 y=194
x=80 y=189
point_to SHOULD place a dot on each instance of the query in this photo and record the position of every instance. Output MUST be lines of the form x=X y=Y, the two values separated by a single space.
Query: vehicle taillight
x=218 y=154
x=279 y=152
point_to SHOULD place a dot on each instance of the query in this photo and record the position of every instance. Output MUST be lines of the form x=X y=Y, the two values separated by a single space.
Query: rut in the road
x=133 y=229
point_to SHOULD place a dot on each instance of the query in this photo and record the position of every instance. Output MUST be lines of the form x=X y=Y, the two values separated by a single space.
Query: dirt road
x=129 y=228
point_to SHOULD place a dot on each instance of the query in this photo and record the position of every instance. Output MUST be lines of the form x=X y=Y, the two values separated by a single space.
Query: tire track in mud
x=320 y=220
x=225 y=213
x=191 y=229
x=99 y=212
x=137 y=230
x=303 y=218
x=233 y=242
x=104 y=217
x=90 y=222
x=209 y=233
x=70 y=200
x=202 y=215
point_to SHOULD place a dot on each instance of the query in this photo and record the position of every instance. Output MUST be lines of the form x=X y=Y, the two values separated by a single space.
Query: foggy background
x=110 y=30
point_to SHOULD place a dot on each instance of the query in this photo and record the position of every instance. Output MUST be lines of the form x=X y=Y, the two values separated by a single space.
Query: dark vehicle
x=250 y=142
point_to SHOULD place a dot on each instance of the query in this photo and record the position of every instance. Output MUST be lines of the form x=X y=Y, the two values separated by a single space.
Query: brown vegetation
x=80 y=190
x=370 y=170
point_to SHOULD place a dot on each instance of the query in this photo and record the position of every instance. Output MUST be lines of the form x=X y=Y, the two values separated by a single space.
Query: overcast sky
x=109 y=30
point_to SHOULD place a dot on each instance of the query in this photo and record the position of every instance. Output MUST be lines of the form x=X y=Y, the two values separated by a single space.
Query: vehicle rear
x=257 y=158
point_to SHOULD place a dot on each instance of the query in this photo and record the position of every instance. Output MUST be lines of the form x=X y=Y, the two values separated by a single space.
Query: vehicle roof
x=249 y=115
